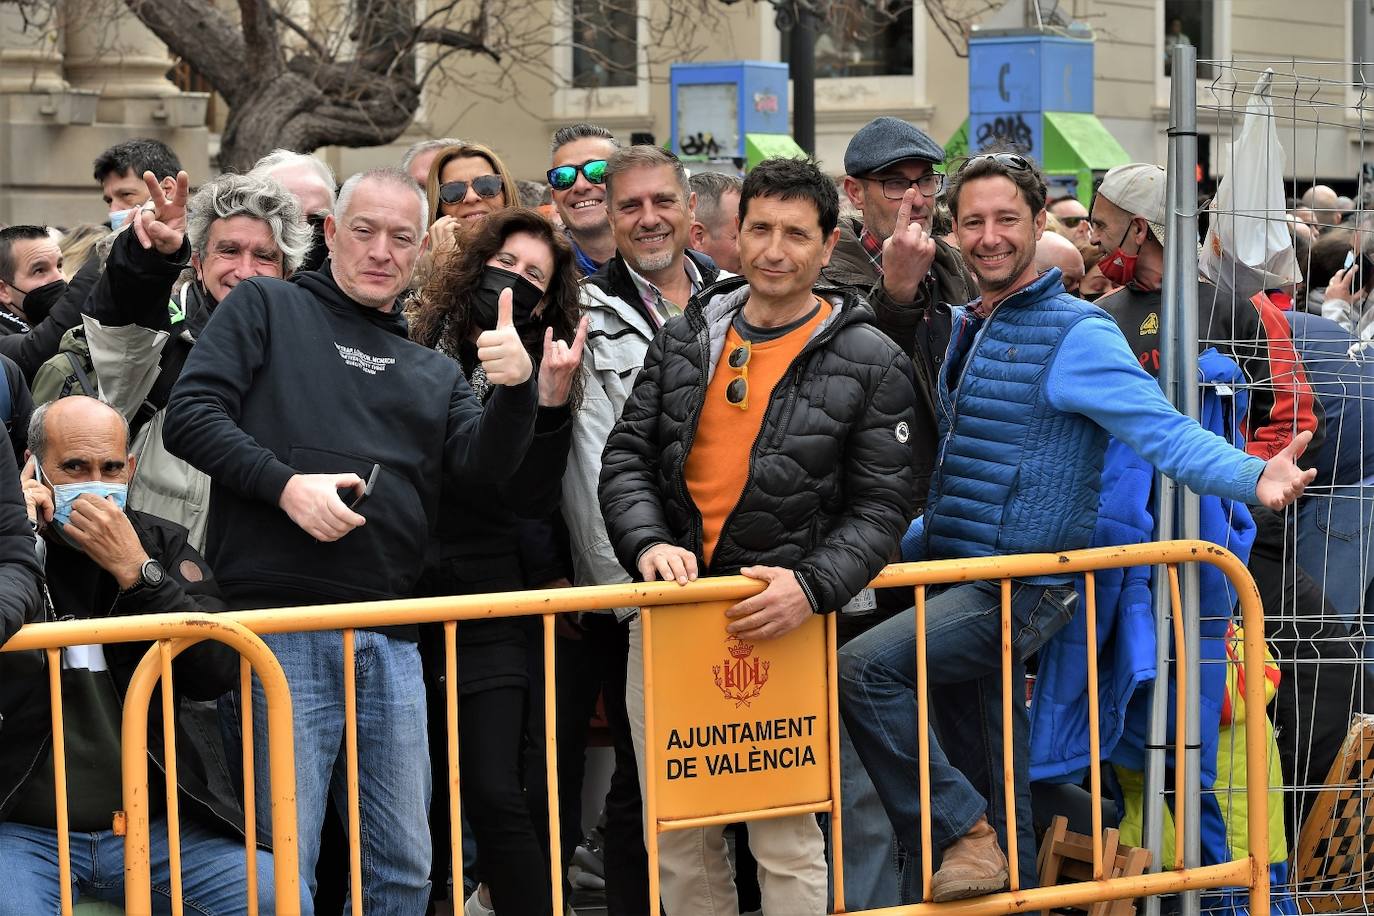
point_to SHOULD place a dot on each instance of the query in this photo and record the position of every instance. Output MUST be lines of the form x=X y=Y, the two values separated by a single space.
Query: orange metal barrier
x=176 y=631
x=170 y=634
x=1251 y=872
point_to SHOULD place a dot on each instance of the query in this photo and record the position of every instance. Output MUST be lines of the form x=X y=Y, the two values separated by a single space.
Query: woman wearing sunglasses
x=466 y=183
x=513 y=265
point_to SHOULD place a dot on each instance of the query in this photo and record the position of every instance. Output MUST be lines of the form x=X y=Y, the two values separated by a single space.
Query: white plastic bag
x=1248 y=245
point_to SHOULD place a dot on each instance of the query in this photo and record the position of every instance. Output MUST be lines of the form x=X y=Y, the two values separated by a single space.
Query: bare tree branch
x=352 y=73
x=318 y=49
x=459 y=41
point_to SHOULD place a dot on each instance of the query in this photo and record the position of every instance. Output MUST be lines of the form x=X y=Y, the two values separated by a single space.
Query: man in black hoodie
x=298 y=391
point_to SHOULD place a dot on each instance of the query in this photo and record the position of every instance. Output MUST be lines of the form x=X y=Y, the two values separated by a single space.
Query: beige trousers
x=694 y=871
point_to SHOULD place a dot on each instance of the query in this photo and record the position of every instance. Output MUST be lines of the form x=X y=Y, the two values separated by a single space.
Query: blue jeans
x=870 y=848
x=213 y=875
x=1336 y=548
x=963 y=639
x=393 y=759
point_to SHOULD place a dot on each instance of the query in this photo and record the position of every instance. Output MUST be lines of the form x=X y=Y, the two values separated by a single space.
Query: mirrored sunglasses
x=565 y=176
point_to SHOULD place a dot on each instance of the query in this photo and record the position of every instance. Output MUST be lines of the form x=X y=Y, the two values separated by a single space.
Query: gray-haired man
x=715 y=222
x=312 y=183
x=299 y=390
x=420 y=156
x=162 y=281
x=577 y=183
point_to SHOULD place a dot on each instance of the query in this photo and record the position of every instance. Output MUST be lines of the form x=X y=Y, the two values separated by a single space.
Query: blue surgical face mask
x=119 y=218
x=65 y=494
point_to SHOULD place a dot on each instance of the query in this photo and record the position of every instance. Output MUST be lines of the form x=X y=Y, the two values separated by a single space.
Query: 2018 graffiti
x=1010 y=129
x=699 y=144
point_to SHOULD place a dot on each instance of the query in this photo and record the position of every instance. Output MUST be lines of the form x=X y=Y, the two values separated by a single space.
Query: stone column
x=30 y=59
x=109 y=51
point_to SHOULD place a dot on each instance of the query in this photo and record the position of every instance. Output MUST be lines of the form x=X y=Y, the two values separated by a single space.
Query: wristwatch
x=150 y=575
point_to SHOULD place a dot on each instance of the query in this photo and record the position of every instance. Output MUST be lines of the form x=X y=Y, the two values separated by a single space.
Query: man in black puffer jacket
x=767 y=434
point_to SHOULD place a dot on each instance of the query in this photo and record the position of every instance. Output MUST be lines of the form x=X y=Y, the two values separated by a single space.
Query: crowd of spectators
x=273 y=390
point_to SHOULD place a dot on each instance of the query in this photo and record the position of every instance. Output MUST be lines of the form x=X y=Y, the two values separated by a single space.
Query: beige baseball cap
x=1139 y=189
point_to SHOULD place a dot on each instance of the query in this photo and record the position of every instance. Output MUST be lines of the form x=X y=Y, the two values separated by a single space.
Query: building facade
x=68 y=92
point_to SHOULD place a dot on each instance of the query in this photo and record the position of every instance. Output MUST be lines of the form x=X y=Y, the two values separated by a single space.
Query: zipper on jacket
x=33 y=765
x=789 y=402
x=794 y=386
x=952 y=412
x=697 y=536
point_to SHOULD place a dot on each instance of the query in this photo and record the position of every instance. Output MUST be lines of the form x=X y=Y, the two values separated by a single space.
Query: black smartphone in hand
x=359 y=498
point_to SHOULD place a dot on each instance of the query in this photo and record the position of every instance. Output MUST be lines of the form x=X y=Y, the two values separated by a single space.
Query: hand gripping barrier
x=732 y=674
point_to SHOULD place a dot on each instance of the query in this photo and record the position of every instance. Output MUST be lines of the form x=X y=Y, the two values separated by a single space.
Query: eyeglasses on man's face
x=895 y=188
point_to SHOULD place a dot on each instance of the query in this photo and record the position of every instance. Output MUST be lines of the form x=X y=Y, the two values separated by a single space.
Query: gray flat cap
x=883 y=141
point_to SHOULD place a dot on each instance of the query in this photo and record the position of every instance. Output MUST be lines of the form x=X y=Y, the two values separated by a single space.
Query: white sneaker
x=474 y=907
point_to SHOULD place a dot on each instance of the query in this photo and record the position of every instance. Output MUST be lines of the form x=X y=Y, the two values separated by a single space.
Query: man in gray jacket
x=649 y=280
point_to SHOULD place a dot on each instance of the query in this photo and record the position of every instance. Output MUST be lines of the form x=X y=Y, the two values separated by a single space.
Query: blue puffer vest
x=1015 y=474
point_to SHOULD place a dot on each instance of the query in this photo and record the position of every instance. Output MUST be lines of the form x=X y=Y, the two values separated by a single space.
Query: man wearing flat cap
x=894 y=259
x=910 y=278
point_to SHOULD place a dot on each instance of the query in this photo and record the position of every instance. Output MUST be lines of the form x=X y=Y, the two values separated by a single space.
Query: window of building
x=1190 y=22
x=605 y=36
x=858 y=38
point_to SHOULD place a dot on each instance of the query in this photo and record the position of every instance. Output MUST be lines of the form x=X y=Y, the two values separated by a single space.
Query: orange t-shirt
x=718 y=464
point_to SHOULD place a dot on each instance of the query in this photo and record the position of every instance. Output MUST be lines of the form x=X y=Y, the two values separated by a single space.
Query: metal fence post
x=1179 y=319
x=1152 y=820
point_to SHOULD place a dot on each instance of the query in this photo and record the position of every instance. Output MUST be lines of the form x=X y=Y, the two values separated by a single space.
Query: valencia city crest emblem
x=742 y=675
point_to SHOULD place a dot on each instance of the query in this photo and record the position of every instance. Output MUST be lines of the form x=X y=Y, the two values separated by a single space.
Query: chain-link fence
x=1284 y=173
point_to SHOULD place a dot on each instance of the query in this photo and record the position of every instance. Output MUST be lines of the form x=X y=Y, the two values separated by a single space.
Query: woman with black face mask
x=495 y=538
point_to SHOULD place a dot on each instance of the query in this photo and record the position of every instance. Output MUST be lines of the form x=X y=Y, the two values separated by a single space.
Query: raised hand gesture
x=502 y=354
x=907 y=253
x=164 y=226
x=1283 y=481
x=560 y=366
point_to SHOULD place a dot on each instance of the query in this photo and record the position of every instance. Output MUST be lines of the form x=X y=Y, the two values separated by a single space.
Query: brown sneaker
x=973 y=865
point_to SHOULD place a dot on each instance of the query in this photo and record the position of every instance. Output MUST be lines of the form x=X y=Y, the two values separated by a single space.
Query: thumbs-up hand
x=502 y=354
x=560 y=366
x=1283 y=481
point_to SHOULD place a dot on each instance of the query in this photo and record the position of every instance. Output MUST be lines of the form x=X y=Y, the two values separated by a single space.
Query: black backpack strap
x=87 y=387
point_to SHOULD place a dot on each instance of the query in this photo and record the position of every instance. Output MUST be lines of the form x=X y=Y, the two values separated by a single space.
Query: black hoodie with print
x=296 y=378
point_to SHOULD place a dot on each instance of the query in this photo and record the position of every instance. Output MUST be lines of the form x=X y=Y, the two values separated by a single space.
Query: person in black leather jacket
x=102 y=560
x=485 y=543
x=768 y=434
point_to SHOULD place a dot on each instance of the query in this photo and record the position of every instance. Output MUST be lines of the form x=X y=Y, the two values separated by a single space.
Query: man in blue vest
x=1034 y=382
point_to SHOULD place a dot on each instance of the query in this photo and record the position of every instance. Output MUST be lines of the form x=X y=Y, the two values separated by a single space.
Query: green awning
x=758 y=147
x=1077 y=141
x=957 y=147
x=1073 y=143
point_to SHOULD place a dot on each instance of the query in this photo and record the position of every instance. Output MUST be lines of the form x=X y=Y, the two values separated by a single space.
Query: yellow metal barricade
x=723 y=803
x=809 y=689
x=170 y=634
